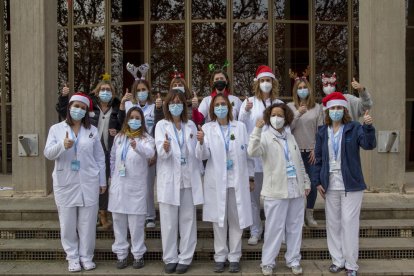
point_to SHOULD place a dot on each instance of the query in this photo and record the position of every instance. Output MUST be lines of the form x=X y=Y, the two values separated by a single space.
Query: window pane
x=7 y=55
x=62 y=57
x=62 y=12
x=356 y=52
x=410 y=12
x=410 y=136
x=331 y=55
x=410 y=62
x=209 y=46
x=291 y=9
x=127 y=46
x=6 y=18
x=167 y=49
x=89 y=57
x=215 y=9
x=250 y=51
x=8 y=140
x=291 y=52
x=88 y=12
x=331 y=10
x=250 y=9
x=167 y=10
x=127 y=10
x=355 y=9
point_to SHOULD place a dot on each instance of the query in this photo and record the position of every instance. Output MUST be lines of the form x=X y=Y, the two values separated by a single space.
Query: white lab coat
x=169 y=163
x=148 y=111
x=215 y=177
x=205 y=107
x=128 y=194
x=76 y=188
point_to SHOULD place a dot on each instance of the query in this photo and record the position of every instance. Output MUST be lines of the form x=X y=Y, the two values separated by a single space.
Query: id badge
x=75 y=165
x=183 y=160
x=229 y=164
x=150 y=122
x=333 y=166
x=291 y=171
x=121 y=170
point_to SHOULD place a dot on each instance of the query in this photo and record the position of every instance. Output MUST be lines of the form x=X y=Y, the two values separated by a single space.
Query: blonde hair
x=274 y=93
x=310 y=100
x=98 y=88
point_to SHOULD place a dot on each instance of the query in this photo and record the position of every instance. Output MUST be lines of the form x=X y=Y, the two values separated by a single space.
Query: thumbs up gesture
x=133 y=143
x=127 y=97
x=67 y=143
x=65 y=90
x=158 y=101
x=302 y=109
x=260 y=123
x=356 y=85
x=367 y=118
x=194 y=100
x=200 y=135
x=249 y=105
x=166 y=144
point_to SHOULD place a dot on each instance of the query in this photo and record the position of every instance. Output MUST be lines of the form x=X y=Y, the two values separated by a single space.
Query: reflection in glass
x=6 y=18
x=7 y=79
x=410 y=62
x=291 y=9
x=291 y=52
x=331 y=10
x=355 y=69
x=88 y=12
x=62 y=12
x=410 y=135
x=127 y=10
x=209 y=46
x=250 y=9
x=8 y=139
x=355 y=9
x=331 y=55
x=62 y=57
x=89 y=51
x=410 y=12
x=127 y=46
x=215 y=9
x=167 y=49
x=250 y=51
x=167 y=10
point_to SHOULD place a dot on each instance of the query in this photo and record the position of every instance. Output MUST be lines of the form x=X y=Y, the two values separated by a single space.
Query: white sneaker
x=309 y=220
x=74 y=266
x=253 y=240
x=150 y=223
x=297 y=270
x=267 y=270
x=88 y=265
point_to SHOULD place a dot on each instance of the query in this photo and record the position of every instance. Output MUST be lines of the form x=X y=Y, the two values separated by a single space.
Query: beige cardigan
x=268 y=147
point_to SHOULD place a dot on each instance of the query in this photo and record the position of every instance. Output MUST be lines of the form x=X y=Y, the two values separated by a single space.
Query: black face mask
x=220 y=85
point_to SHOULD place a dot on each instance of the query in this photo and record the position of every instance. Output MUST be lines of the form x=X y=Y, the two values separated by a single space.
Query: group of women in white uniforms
x=250 y=152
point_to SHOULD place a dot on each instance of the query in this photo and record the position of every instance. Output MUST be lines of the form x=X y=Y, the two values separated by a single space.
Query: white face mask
x=328 y=89
x=266 y=87
x=277 y=122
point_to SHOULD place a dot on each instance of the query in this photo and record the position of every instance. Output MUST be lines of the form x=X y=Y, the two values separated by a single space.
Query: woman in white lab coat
x=178 y=183
x=78 y=178
x=127 y=193
x=223 y=143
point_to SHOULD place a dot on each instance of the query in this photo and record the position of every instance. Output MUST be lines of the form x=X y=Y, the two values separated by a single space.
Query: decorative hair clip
x=212 y=67
x=106 y=77
x=143 y=69
x=177 y=74
x=329 y=80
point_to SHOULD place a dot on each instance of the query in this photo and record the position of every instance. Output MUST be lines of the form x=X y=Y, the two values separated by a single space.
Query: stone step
x=402 y=228
x=250 y=268
x=312 y=249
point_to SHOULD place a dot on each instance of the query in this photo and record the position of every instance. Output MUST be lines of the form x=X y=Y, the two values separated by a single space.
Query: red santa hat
x=81 y=97
x=334 y=99
x=264 y=71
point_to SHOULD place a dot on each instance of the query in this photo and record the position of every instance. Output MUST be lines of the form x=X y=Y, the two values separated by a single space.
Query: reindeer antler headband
x=143 y=69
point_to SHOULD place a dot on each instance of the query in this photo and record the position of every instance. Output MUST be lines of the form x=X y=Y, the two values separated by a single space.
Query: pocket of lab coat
x=64 y=177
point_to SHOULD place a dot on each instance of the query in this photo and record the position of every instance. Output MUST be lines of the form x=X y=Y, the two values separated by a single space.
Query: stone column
x=34 y=86
x=382 y=71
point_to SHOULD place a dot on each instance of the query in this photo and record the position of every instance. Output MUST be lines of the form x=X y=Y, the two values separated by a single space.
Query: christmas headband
x=143 y=69
x=212 y=67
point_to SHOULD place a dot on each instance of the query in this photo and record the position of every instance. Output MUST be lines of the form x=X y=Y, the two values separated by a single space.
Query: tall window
x=409 y=85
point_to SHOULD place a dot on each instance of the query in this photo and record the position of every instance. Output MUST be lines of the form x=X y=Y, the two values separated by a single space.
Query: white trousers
x=232 y=252
x=150 y=192
x=284 y=218
x=78 y=231
x=342 y=227
x=179 y=220
x=135 y=224
x=257 y=228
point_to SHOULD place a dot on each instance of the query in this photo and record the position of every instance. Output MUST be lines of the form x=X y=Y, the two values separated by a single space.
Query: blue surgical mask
x=303 y=93
x=77 y=113
x=336 y=115
x=181 y=88
x=142 y=96
x=134 y=124
x=176 y=109
x=105 y=95
x=221 y=111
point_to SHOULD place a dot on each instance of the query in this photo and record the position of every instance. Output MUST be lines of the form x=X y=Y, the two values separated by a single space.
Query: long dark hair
x=86 y=121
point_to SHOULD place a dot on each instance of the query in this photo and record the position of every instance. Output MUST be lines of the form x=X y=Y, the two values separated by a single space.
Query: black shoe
x=138 y=263
x=335 y=269
x=181 y=268
x=234 y=267
x=170 y=268
x=219 y=267
x=121 y=264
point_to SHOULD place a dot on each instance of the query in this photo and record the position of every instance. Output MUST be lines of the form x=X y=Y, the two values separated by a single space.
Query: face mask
x=134 y=124
x=77 y=114
x=181 y=88
x=221 y=111
x=277 y=122
x=328 y=89
x=266 y=87
x=176 y=109
x=105 y=96
x=220 y=85
x=142 y=96
x=336 y=115
x=303 y=93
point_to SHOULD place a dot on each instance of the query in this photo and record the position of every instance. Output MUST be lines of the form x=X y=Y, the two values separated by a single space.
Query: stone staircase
x=30 y=242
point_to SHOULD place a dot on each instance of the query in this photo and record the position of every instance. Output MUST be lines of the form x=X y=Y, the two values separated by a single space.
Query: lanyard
x=143 y=107
x=182 y=136
x=226 y=138
x=335 y=140
x=125 y=149
x=76 y=139
x=286 y=150
x=264 y=103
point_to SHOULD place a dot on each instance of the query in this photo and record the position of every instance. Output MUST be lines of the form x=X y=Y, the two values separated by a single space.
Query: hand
x=67 y=143
x=312 y=159
x=302 y=109
x=152 y=160
x=133 y=143
x=127 y=97
x=158 y=101
x=321 y=191
x=367 y=118
x=194 y=100
x=65 y=90
x=307 y=191
x=166 y=144
x=260 y=123
x=112 y=131
x=251 y=185
x=249 y=105
x=200 y=135
x=356 y=85
x=102 y=190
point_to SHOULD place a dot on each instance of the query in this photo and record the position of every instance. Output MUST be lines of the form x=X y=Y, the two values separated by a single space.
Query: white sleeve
x=54 y=147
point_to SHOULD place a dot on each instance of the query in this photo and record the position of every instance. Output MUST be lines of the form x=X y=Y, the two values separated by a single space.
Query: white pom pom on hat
x=81 y=97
